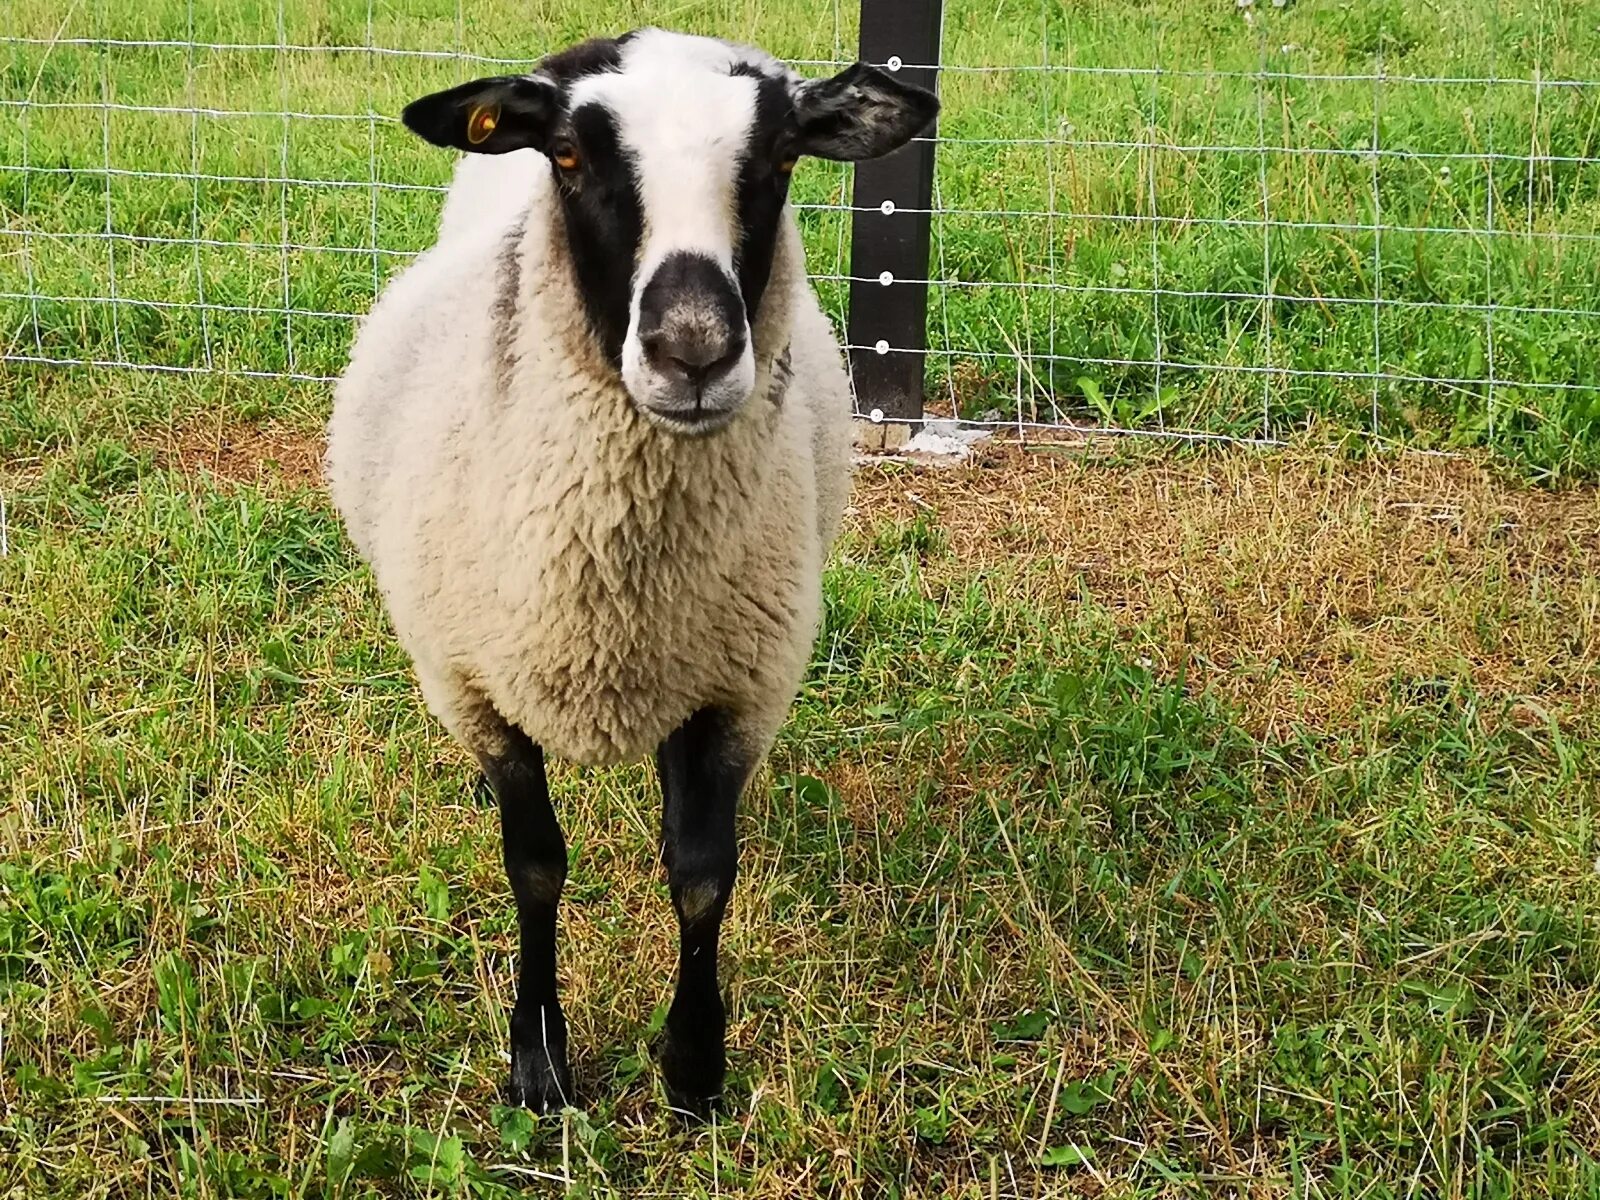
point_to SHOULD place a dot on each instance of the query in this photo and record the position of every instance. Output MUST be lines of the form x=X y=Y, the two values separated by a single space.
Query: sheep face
x=671 y=158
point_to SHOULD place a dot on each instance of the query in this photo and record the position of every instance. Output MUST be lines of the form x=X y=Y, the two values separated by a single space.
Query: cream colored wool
x=551 y=559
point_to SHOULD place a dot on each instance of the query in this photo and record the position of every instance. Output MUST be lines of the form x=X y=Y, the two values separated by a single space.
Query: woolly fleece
x=551 y=559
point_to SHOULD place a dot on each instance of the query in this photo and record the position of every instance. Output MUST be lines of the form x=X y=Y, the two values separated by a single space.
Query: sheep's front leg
x=536 y=865
x=703 y=769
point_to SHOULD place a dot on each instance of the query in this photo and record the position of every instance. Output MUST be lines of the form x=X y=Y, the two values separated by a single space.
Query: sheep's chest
x=614 y=633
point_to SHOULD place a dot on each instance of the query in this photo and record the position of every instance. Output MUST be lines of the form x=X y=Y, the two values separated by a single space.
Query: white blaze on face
x=685 y=121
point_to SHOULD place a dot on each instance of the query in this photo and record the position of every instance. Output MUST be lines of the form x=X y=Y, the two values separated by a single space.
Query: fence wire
x=1184 y=220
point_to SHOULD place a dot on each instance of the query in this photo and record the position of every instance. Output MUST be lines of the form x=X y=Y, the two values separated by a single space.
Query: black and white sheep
x=594 y=445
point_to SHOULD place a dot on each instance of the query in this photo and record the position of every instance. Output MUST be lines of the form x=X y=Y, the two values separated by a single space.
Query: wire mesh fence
x=209 y=193
x=1190 y=219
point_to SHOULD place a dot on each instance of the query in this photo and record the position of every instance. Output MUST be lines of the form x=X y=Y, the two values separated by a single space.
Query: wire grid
x=1118 y=243
x=65 y=294
x=1385 y=260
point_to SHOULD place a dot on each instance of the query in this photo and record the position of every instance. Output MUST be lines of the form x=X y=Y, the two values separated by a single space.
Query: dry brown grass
x=267 y=452
x=1299 y=586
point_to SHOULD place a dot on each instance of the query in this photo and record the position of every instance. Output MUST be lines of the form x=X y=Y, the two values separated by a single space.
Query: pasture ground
x=1203 y=823
x=1212 y=823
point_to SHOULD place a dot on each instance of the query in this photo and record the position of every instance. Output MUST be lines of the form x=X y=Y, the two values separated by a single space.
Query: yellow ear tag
x=482 y=122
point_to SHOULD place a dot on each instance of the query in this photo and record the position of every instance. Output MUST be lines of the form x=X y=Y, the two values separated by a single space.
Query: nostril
x=727 y=362
x=696 y=362
x=657 y=349
x=692 y=372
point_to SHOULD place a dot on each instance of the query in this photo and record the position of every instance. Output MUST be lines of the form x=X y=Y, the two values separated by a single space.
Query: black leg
x=536 y=865
x=703 y=769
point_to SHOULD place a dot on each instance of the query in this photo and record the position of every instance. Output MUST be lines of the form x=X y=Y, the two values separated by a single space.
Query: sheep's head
x=671 y=158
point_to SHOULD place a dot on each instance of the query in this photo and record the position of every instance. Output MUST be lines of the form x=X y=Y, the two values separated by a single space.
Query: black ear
x=861 y=112
x=487 y=116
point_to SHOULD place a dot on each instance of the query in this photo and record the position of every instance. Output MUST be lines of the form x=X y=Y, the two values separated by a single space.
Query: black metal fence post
x=889 y=229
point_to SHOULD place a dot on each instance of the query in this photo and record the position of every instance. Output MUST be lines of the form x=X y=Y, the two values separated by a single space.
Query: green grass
x=1020 y=911
x=1055 y=884
x=1111 y=165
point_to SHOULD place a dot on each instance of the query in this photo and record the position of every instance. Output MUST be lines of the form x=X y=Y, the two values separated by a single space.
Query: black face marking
x=762 y=187
x=600 y=201
x=859 y=113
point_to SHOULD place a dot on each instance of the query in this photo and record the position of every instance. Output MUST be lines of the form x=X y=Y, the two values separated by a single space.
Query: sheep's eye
x=566 y=156
x=786 y=167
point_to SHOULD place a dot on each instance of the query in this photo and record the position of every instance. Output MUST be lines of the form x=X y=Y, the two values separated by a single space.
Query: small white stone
x=942 y=438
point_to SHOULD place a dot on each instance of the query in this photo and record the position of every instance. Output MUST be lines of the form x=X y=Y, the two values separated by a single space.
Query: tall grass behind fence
x=1243 y=218
x=1188 y=217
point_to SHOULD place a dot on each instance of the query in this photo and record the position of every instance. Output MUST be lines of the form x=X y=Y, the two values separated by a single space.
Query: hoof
x=692 y=1077
x=539 y=1084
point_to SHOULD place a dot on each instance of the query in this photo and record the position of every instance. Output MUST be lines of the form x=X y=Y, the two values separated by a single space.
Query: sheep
x=594 y=446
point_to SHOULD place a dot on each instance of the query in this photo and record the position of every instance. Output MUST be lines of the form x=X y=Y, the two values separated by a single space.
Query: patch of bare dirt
x=256 y=453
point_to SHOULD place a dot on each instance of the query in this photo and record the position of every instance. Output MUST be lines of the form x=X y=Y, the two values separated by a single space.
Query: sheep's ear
x=861 y=112
x=487 y=116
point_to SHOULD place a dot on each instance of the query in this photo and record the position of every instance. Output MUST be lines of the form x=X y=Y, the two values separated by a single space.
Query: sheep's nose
x=691 y=319
x=696 y=359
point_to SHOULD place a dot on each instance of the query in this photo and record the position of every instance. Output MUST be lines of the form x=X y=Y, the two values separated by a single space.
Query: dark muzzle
x=691 y=320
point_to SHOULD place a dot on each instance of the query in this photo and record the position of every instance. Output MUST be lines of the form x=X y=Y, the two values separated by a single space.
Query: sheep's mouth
x=698 y=421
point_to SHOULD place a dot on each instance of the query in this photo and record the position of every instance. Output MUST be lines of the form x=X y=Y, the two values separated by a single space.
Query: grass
x=1149 y=825
x=1140 y=200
